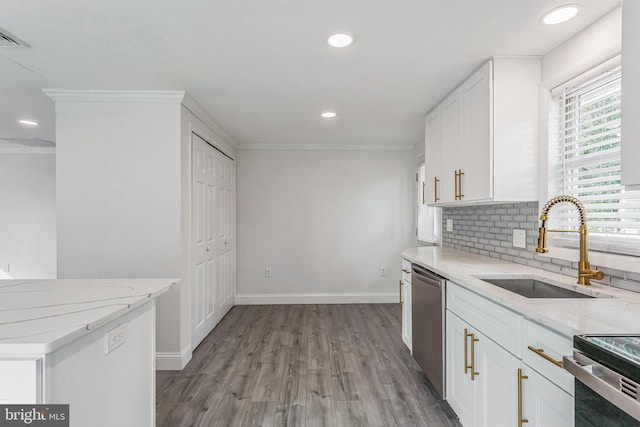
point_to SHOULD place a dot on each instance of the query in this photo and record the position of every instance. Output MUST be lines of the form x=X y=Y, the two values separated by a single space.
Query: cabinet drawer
x=406 y=271
x=493 y=320
x=21 y=381
x=548 y=343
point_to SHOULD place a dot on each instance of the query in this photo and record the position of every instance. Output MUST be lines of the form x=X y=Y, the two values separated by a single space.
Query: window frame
x=600 y=259
x=436 y=211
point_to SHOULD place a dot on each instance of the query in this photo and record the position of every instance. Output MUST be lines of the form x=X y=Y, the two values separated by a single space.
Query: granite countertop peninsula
x=612 y=311
x=40 y=316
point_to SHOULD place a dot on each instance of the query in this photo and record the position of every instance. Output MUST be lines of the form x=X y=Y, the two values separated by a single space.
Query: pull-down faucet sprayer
x=585 y=273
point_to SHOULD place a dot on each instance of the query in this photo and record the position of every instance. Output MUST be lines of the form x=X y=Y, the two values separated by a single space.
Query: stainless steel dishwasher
x=427 y=318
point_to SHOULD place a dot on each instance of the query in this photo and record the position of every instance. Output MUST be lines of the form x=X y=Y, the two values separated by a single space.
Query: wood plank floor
x=301 y=365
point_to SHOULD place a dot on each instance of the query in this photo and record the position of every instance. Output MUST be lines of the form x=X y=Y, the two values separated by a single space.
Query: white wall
x=595 y=44
x=324 y=221
x=27 y=215
x=118 y=197
x=118 y=189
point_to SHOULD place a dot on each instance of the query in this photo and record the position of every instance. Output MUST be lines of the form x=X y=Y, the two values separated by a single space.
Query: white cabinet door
x=451 y=140
x=433 y=155
x=21 y=381
x=476 y=135
x=459 y=389
x=496 y=384
x=545 y=404
x=406 y=314
x=630 y=136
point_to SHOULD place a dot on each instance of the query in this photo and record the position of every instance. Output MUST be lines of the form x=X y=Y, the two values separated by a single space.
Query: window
x=584 y=161
x=428 y=218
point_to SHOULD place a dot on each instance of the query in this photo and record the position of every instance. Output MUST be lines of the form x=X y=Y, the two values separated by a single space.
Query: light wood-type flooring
x=301 y=365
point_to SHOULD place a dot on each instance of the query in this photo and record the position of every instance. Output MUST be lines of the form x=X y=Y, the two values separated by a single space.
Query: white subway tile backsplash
x=487 y=230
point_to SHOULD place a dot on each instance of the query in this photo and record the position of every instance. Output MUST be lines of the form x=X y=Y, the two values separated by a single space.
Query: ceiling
x=262 y=69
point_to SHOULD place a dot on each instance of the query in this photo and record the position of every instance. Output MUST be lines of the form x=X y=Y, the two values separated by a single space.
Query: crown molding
x=162 y=96
x=324 y=147
x=197 y=110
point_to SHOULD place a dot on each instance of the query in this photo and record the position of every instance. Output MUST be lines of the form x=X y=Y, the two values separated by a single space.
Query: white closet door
x=225 y=213
x=204 y=251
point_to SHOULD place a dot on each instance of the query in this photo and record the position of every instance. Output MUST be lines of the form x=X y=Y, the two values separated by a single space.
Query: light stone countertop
x=40 y=316
x=614 y=311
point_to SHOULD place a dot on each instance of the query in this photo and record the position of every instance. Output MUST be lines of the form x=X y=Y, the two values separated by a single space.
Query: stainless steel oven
x=607 y=380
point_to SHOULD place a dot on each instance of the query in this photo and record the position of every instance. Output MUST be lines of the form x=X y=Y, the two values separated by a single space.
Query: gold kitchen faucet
x=585 y=273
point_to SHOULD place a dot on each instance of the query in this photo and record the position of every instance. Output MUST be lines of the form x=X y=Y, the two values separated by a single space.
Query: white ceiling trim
x=67 y=95
x=197 y=110
x=27 y=150
x=324 y=147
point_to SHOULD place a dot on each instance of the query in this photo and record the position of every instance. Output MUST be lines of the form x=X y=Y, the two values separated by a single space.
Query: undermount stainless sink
x=533 y=287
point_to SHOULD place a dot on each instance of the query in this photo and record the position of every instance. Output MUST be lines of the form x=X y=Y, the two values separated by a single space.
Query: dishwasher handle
x=426 y=276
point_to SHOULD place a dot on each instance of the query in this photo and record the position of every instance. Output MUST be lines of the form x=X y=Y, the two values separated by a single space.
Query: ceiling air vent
x=7 y=40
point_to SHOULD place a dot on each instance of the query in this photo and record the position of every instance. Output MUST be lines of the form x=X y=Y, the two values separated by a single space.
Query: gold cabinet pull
x=435 y=189
x=404 y=270
x=474 y=373
x=401 y=302
x=455 y=184
x=458 y=184
x=540 y=352
x=466 y=363
x=520 y=378
x=424 y=198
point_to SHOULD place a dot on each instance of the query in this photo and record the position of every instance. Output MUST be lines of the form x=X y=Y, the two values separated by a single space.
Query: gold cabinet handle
x=401 y=302
x=540 y=352
x=404 y=270
x=435 y=189
x=466 y=363
x=474 y=373
x=520 y=378
x=455 y=184
x=458 y=184
x=424 y=198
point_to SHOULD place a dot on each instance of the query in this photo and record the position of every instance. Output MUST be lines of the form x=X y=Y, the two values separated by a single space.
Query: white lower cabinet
x=488 y=380
x=405 y=301
x=406 y=313
x=481 y=377
x=544 y=403
x=21 y=381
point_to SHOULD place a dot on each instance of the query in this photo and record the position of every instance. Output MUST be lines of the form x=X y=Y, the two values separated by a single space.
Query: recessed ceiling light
x=328 y=114
x=341 y=40
x=28 y=122
x=560 y=14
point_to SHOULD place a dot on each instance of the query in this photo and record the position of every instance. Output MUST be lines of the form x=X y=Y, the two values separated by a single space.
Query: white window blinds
x=427 y=217
x=584 y=162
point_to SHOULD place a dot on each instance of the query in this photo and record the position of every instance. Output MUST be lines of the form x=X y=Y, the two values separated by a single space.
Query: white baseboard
x=167 y=361
x=346 y=298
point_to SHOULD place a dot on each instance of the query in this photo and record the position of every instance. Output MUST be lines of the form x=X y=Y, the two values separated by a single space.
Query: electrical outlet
x=449 y=225
x=519 y=238
x=116 y=337
x=383 y=271
x=267 y=272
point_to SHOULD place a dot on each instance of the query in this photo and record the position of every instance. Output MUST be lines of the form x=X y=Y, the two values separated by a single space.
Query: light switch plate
x=519 y=238
x=449 y=225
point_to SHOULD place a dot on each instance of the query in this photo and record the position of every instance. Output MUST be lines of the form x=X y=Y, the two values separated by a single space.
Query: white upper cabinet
x=451 y=145
x=433 y=155
x=630 y=94
x=485 y=149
